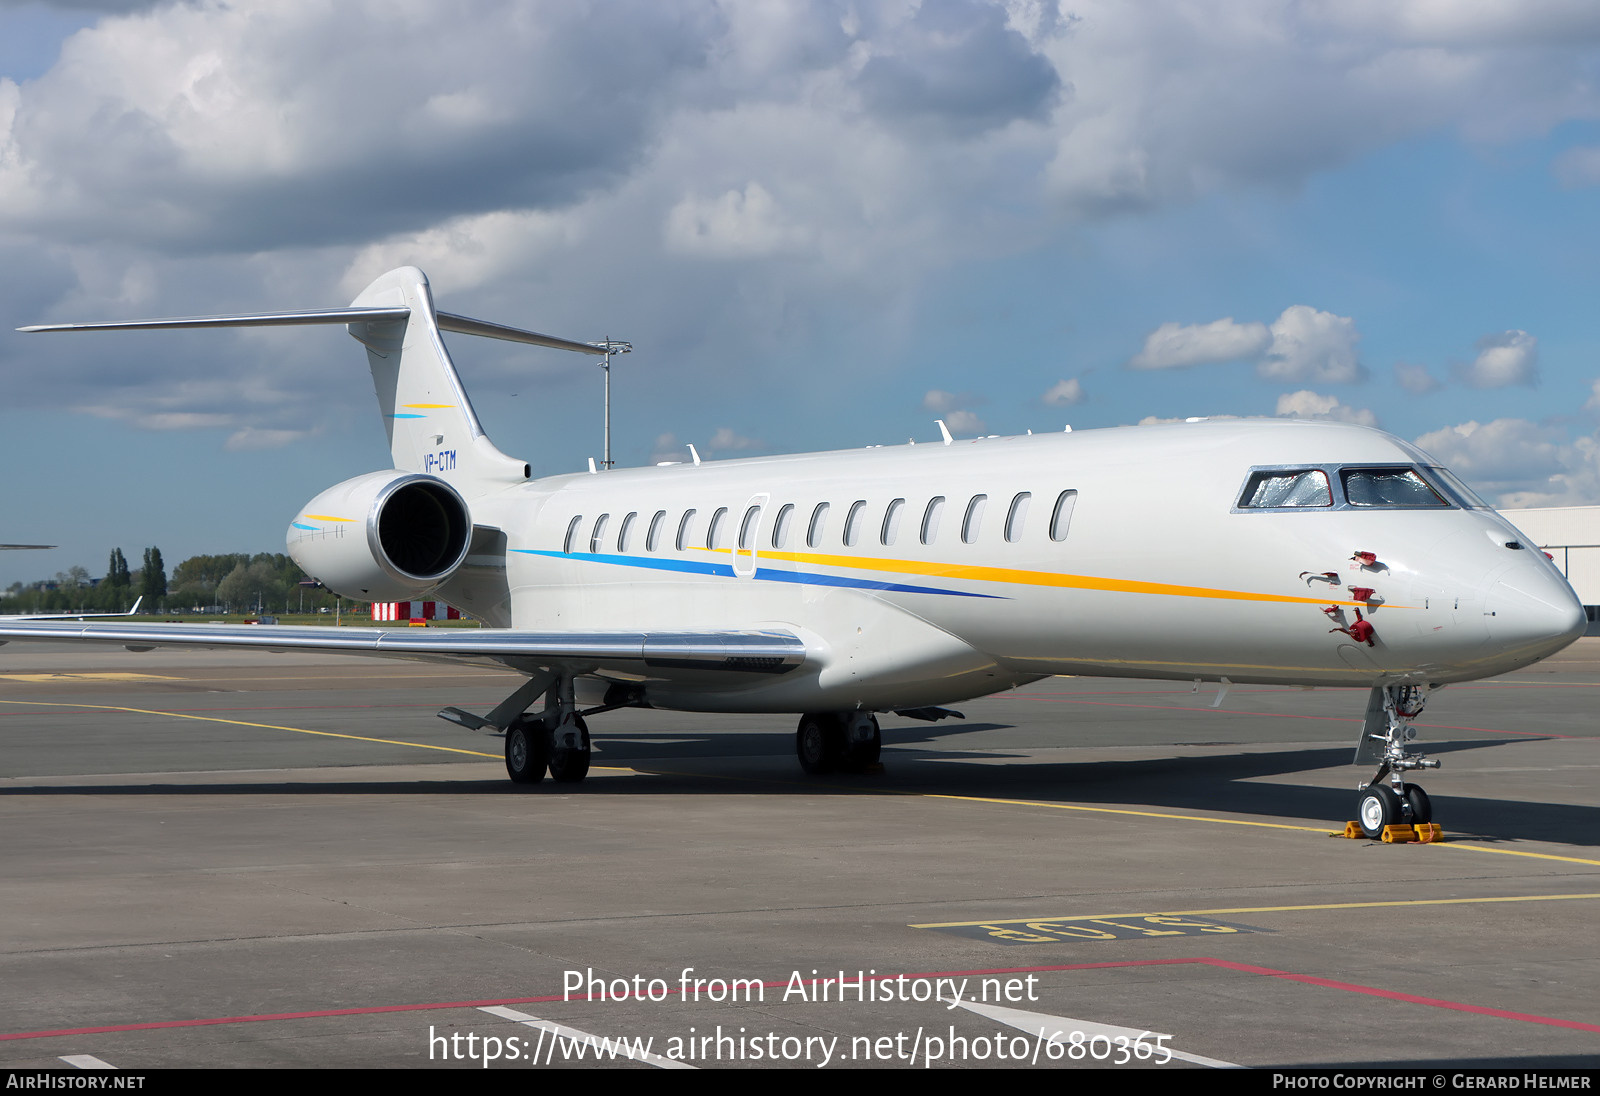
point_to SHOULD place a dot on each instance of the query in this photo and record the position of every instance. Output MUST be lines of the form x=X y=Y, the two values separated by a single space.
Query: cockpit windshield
x=1388 y=487
x=1354 y=487
x=1287 y=487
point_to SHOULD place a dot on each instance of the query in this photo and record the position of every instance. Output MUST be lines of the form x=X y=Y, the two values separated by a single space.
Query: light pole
x=610 y=348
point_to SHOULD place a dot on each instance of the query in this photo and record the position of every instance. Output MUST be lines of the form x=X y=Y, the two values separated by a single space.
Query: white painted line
x=86 y=1061
x=1062 y=1027
x=592 y=1044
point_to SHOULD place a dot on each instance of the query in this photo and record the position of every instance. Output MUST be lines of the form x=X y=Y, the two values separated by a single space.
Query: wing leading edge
x=774 y=652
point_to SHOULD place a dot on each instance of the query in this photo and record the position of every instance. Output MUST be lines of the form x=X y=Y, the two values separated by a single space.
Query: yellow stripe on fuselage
x=1017 y=576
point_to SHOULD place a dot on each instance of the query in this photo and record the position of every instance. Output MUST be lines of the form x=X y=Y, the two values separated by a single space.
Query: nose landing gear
x=1384 y=734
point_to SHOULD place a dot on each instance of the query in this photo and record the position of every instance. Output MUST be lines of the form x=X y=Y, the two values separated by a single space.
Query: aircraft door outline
x=748 y=534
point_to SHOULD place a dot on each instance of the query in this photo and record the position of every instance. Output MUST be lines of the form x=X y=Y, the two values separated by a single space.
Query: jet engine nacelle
x=385 y=536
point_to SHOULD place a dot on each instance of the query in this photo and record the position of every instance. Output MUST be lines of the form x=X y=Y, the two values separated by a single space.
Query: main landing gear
x=534 y=746
x=1384 y=734
x=826 y=742
x=554 y=741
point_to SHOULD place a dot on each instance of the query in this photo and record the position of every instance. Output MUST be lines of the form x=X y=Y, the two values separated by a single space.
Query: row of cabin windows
x=788 y=520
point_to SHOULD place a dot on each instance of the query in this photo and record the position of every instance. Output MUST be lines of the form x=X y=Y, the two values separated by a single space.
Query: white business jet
x=900 y=579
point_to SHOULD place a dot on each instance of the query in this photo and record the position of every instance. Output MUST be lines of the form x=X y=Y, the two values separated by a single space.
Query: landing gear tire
x=1379 y=807
x=862 y=752
x=1418 y=805
x=819 y=743
x=570 y=764
x=527 y=751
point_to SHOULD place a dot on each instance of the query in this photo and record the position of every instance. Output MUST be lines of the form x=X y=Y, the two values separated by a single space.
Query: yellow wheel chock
x=1426 y=833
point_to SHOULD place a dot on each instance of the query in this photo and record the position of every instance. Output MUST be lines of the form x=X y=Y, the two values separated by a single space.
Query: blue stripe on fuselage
x=766 y=574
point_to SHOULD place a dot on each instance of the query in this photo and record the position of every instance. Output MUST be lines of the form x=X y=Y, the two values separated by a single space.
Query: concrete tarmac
x=234 y=859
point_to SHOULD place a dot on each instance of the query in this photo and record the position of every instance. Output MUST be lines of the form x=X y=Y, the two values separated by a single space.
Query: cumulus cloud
x=667 y=449
x=1308 y=345
x=955 y=408
x=1593 y=402
x=1501 y=456
x=1578 y=167
x=1065 y=393
x=743 y=223
x=726 y=438
x=962 y=421
x=264 y=125
x=939 y=401
x=1176 y=346
x=959 y=69
x=784 y=170
x=1155 y=420
x=1307 y=404
x=1416 y=379
x=1510 y=357
x=1302 y=344
x=1518 y=463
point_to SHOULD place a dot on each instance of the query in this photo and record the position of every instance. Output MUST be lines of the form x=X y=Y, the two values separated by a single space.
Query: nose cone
x=1533 y=613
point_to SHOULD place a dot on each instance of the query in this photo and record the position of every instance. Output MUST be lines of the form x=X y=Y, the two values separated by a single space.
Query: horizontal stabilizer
x=255 y=319
x=448 y=321
x=466 y=325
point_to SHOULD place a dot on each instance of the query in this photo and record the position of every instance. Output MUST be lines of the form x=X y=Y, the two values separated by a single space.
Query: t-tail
x=432 y=426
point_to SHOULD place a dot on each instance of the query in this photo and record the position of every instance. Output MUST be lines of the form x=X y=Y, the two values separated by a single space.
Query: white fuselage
x=1155 y=570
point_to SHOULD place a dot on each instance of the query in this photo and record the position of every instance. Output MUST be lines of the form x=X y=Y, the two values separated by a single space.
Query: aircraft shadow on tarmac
x=1235 y=782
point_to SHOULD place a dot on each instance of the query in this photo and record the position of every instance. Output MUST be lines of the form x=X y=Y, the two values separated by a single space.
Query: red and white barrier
x=414 y=611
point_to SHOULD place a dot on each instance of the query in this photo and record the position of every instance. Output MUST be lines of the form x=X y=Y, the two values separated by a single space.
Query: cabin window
x=930 y=519
x=1392 y=487
x=1017 y=516
x=685 y=530
x=1061 y=517
x=719 y=521
x=572 y=533
x=853 y=523
x=652 y=539
x=891 y=521
x=1286 y=487
x=973 y=518
x=625 y=534
x=819 y=518
x=780 y=528
x=747 y=528
x=598 y=533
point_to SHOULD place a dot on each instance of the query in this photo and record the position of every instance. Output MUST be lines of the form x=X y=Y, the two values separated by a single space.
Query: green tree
x=250 y=584
x=153 y=576
x=117 y=576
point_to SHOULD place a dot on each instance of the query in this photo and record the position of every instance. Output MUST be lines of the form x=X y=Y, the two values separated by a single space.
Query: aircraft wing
x=642 y=653
x=15 y=617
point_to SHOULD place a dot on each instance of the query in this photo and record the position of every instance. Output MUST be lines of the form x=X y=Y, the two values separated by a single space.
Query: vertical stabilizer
x=431 y=423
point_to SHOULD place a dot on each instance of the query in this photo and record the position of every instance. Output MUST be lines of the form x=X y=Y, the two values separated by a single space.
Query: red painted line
x=1222 y=964
x=1410 y=998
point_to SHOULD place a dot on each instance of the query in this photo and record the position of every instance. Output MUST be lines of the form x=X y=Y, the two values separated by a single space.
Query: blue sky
x=821 y=225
